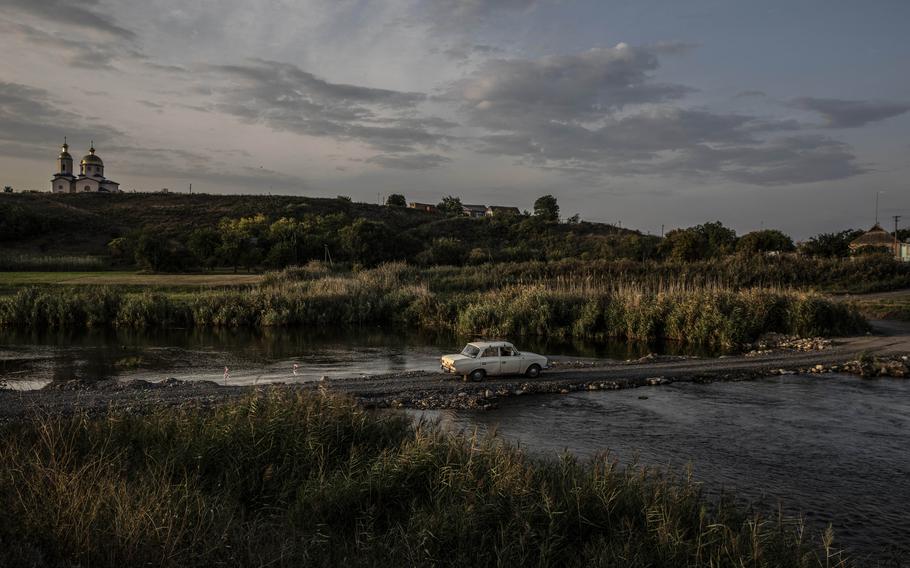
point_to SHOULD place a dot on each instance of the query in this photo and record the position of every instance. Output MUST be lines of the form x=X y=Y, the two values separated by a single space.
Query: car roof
x=485 y=344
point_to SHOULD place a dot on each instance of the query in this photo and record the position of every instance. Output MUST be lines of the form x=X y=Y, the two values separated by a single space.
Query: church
x=91 y=174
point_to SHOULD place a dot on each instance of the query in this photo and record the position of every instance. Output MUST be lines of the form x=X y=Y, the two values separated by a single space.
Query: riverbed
x=834 y=448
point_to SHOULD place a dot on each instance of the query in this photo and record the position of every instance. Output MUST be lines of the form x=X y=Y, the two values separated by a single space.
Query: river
x=29 y=361
x=834 y=448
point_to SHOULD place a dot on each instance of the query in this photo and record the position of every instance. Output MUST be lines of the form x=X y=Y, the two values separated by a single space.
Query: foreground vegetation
x=469 y=303
x=289 y=480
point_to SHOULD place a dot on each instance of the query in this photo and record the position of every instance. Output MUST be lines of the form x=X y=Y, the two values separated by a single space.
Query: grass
x=9 y=280
x=290 y=480
x=52 y=263
x=895 y=307
x=402 y=296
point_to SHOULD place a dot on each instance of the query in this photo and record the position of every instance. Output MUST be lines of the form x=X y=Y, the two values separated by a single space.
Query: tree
x=547 y=209
x=830 y=244
x=203 y=243
x=122 y=250
x=369 y=242
x=709 y=240
x=443 y=251
x=396 y=200
x=158 y=254
x=7 y=189
x=450 y=206
x=760 y=242
x=285 y=236
x=683 y=245
x=719 y=240
x=240 y=240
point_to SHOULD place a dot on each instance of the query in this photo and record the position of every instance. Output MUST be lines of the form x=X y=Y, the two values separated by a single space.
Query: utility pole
x=897 y=219
x=877 y=193
x=191 y=189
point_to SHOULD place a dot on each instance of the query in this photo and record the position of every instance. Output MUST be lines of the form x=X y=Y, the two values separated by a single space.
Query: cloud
x=470 y=11
x=81 y=34
x=31 y=118
x=840 y=113
x=791 y=160
x=86 y=14
x=409 y=161
x=601 y=112
x=206 y=171
x=576 y=87
x=285 y=97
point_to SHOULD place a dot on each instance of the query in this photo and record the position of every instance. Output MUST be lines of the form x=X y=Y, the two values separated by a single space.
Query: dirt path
x=436 y=390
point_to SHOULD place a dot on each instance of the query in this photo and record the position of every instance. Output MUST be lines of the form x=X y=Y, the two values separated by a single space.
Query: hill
x=85 y=224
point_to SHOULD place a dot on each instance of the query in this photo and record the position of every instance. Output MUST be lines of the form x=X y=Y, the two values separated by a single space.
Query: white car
x=490 y=358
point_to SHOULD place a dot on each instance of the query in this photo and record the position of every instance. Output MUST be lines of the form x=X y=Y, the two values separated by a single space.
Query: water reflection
x=29 y=360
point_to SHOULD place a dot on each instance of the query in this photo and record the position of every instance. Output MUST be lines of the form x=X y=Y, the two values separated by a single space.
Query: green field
x=126 y=278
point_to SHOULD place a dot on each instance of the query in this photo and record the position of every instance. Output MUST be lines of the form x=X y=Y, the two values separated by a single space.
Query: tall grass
x=52 y=263
x=398 y=295
x=862 y=274
x=290 y=480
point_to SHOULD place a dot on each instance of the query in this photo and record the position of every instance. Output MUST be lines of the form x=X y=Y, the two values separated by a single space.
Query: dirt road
x=436 y=390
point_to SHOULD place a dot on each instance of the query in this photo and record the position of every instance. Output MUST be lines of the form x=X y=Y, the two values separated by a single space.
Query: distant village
x=475 y=211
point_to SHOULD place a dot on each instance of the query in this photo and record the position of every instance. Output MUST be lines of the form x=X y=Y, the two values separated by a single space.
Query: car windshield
x=470 y=351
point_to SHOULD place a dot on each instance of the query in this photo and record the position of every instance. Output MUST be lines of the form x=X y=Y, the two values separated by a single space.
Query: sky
x=651 y=114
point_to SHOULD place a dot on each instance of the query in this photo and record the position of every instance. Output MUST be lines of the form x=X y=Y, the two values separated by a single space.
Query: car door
x=490 y=361
x=511 y=361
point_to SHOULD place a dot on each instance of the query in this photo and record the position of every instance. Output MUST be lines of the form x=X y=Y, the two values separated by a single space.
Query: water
x=834 y=448
x=33 y=360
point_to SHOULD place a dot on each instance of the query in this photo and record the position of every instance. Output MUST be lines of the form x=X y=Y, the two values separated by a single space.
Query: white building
x=91 y=174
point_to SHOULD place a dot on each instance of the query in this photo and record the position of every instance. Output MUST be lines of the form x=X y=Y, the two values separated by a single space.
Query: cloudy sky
x=780 y=113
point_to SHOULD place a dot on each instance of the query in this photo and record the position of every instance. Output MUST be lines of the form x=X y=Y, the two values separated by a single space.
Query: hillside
x=84 y=224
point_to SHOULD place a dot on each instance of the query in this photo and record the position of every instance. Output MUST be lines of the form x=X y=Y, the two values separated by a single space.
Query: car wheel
x=533 y=371
x=478 y=375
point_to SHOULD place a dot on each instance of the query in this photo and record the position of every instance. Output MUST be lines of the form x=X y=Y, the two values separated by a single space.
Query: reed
x=562 y=305
x=286 y=480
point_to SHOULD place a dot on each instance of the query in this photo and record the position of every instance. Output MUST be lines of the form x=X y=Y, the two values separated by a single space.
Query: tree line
x=257 y=242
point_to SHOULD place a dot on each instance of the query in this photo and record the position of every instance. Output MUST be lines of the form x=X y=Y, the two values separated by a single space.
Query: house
x=878 y=238
x=499 y=210
x=423 y=207
x=903 y=252
x=474 y=210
